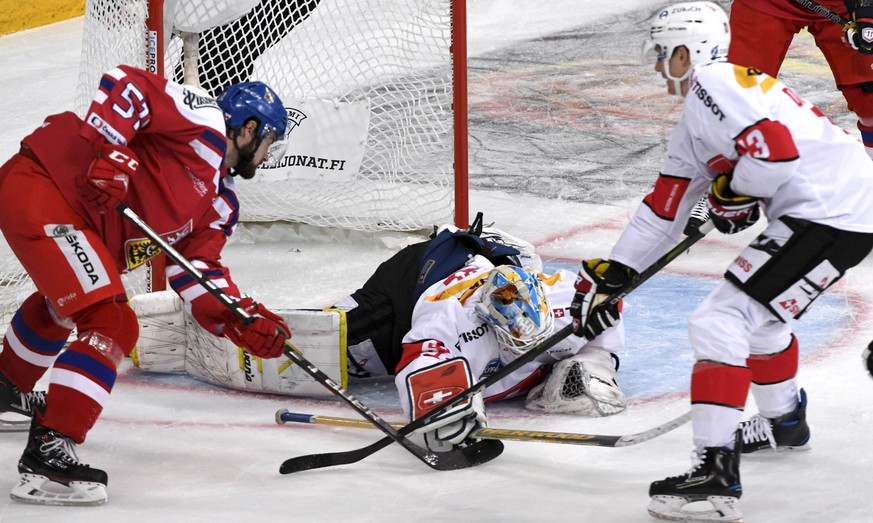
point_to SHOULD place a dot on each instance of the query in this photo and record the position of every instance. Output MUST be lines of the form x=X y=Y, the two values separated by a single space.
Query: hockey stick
x=461 y=457
x=824 y=11
x=314 y=461
x=567 y=438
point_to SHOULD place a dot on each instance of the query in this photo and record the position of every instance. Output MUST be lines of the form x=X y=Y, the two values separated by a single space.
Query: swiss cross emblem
x=430 y=399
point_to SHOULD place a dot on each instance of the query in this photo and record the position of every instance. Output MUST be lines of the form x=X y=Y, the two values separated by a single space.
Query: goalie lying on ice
x=460 y=305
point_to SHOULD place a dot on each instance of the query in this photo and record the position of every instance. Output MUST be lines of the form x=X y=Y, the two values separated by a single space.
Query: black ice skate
x=715 y=478
x=787 y=432
x=51 y=473
x=20 y=403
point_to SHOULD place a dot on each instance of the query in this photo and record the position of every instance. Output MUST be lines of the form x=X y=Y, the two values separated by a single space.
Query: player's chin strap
x=314 y=461
x=462 y=457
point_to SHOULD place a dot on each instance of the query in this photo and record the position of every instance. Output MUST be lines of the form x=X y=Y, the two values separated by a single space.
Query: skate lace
x=31 y=401
x=758 y=428
x=61 y=448
x=698 y=455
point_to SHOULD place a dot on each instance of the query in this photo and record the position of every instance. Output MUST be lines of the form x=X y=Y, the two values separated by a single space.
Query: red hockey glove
x=106 y=181
x=859 y=32
x=730 y=212
x=264 y=337
x=597 y=279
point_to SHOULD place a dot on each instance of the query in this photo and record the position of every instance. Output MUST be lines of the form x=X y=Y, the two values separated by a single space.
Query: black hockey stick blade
x=469 y=455
x=314 y=461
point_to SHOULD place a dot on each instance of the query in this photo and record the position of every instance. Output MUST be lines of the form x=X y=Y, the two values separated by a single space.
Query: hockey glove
x=730 y=212
x=597 y=279
x=264 y=337
x=859 y=32
x=106 y=181
x=432 y=386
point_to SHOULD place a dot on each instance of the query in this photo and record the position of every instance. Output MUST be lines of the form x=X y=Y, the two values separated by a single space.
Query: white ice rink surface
x=179 y=450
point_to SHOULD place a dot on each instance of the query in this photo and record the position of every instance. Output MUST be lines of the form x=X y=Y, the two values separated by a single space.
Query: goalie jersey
x=779 y=147
x=445 y=325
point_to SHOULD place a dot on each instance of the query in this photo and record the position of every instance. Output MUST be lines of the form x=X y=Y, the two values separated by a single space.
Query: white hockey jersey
x=445 y=326
x=781 y=149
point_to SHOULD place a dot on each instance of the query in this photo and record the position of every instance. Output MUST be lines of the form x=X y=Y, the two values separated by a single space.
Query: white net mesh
x=390 y=57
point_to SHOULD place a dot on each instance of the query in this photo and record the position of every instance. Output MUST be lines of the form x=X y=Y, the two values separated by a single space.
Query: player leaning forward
x=164 y=150
x=752 y=145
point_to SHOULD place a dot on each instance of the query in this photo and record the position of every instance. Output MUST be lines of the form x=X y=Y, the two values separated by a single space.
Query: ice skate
x=786 y=432
x=18 y=404
x=710 y=491
x=51 y=473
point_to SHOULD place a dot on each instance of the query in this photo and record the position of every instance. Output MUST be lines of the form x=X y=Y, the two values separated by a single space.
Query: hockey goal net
x=375 y=92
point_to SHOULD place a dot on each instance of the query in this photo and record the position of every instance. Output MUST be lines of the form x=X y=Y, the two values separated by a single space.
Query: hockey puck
x=867 y=357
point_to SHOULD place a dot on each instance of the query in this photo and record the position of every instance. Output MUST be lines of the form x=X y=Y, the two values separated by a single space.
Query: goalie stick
x=538 y=436
x=462 y=457
x=824 y=11
x=314 y=461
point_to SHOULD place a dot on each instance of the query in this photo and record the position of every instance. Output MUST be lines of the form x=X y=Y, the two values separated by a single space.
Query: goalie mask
x=515 y=304
x=701 y=27
x=244 y=101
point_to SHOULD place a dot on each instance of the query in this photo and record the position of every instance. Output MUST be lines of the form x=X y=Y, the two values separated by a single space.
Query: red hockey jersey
x=181 y=189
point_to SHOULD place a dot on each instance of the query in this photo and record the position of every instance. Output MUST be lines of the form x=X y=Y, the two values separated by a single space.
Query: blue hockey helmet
x=244 y=101
x=515 y=304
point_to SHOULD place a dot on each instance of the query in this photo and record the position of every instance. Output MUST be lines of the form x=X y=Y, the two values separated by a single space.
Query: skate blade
x=722 y=509
x=39 y=490
x=19 y=424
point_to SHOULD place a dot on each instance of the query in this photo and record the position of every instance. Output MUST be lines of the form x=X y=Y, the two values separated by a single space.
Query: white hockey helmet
x=701 y=27
x=515 y=304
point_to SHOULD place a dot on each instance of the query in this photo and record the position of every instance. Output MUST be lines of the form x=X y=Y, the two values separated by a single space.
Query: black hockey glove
x=859 y=32
x=730 y=212
x=597 y=279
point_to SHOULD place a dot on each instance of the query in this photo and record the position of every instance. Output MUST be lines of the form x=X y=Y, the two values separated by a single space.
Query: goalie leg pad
x=163 y=332
x=171 y=341
x=583 y=385
x=320 y=335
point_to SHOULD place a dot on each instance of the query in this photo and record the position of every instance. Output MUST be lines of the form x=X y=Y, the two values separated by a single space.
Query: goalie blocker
x=171 y=341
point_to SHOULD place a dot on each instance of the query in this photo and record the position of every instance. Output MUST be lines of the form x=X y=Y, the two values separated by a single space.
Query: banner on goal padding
x=326 y=141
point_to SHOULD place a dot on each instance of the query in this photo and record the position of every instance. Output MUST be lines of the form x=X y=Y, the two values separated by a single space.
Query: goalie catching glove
x=597 y=279
x=432 y=386
x=730 y=212
x=105 y=183
x=264 y=336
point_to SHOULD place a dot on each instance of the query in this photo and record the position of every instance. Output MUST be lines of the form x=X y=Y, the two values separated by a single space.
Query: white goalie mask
x=514 y=303
x=701 y=27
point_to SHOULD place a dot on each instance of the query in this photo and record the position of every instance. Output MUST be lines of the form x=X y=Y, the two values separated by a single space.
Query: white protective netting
x=383 y=66
x=390 y=59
